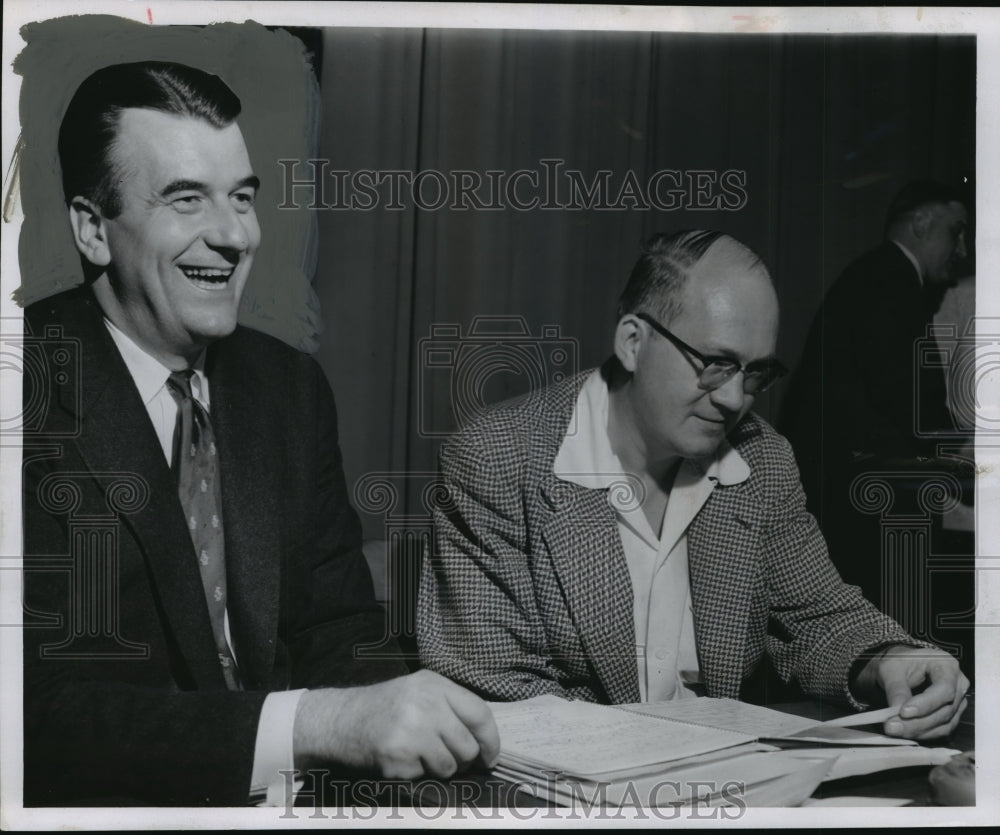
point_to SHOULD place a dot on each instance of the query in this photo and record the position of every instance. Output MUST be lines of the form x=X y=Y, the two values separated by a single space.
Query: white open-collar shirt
x=666 y=654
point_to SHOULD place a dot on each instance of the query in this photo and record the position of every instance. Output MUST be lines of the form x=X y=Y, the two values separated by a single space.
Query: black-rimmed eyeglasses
x=758 y=376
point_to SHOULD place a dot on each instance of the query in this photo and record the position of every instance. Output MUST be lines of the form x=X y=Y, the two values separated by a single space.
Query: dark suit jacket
x=860 y=404
x=857 y=392
x=123 y=695
x=526 y=590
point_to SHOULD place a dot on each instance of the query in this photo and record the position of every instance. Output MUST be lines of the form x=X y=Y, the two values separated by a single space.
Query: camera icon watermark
x=970 y=362
x=462 y=375
x=50 y=369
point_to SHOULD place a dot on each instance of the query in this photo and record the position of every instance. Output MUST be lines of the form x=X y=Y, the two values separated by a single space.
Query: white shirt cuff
x=273 y=752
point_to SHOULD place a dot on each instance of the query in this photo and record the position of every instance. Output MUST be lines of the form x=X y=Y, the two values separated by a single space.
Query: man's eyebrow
x=253 y=181
x=717 y=353
x=731 y=356
x=182 y=185
x=194 y=185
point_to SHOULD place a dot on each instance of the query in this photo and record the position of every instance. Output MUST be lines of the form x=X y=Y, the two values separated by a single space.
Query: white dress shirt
x=666 y=654
x=913 y=260
x=273 y=748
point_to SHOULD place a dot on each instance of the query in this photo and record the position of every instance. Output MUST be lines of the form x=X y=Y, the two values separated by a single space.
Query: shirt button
x=662 y=655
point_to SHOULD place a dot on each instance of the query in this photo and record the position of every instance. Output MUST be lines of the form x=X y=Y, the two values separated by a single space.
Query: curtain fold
x=815 y=132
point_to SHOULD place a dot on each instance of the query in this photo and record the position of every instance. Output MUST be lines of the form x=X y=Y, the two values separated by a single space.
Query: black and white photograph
x=484 y=415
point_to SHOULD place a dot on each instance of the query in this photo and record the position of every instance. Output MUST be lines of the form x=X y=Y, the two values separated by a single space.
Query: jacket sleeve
x=478 y=620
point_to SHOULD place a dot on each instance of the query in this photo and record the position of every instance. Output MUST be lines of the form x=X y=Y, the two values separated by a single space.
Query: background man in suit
x=635 y=533
x=859 y=402
x=167 y=679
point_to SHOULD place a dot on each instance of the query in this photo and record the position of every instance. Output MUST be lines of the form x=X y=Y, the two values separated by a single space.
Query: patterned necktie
x=196 y=466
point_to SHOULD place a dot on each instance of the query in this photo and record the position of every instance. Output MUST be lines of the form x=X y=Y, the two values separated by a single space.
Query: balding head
x=694 y=345
x=668 y=262
x=929 y=220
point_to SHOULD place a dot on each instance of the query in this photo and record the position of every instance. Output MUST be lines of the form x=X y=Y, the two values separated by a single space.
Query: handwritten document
x=764 y=723
x=585 y=739
x=729 y=714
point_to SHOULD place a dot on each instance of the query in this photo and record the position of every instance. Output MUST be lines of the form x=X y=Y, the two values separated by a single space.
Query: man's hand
x=933 y=712
x=405 y=728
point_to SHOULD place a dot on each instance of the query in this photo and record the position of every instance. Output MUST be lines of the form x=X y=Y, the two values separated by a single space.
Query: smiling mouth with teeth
x=208 y=277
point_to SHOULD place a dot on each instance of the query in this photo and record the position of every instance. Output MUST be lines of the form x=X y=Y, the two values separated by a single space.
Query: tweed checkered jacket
x=526 y=589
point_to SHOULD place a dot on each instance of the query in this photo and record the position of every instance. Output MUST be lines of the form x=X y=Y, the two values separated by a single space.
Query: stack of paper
x=858 y=752
x=771 y=725
x=853 y=761
x=578 y=752
x=739 y=780
x=693 y=751
x=596 y=741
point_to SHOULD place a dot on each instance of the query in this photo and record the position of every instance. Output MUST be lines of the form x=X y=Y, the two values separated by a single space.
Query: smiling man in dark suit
x=231 y=570
x=636 y=533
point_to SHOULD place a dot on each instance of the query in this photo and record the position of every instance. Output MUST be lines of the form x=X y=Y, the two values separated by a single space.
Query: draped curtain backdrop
x=824 y=129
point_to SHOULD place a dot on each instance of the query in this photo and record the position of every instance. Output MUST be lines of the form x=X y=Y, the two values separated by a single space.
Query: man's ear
x=920 y=222
x=89 y=231
x=628 y=341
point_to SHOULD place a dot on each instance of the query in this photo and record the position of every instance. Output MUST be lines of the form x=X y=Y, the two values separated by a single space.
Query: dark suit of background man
x=636 y=533
x=858 y=402
x=181 y=700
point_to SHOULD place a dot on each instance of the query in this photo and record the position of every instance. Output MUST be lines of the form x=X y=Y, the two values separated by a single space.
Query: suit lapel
x=109 y=402
x=582 y=537
x=245 y=427
x=722 y=573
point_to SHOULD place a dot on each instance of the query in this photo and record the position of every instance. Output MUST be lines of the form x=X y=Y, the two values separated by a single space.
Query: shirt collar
x=586 y=457
x=913 y=260
x=726 y=467
x=148 y=373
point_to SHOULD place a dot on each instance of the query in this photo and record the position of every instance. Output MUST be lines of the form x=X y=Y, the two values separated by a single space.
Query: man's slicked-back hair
x=90 y=126
x=918 y=194
x=657 y=278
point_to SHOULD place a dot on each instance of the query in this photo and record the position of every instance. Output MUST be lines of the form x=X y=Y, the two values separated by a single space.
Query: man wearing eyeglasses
x=634 y=533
